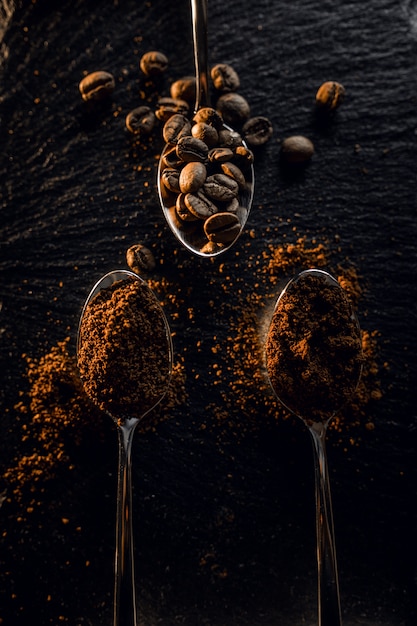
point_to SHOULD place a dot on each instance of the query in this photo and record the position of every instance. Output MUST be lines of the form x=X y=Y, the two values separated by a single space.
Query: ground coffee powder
x=124 y=351
x=313 y=349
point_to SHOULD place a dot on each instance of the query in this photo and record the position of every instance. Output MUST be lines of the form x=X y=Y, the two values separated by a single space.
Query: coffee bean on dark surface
x=153 y=63
x=330 y=95
x=97 y=86
x=233 y=108
x=297 y=149
x=140 y=258
x=257 y=130
x=224 y=78
x=184 y=89
x=166 y=107
x=141 y=121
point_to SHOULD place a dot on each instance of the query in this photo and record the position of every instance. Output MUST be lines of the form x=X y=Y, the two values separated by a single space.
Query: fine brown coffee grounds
x=313 y=348
x=124 y=354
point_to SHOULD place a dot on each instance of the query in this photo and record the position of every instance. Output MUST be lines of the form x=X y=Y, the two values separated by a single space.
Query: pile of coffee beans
x=205 y=180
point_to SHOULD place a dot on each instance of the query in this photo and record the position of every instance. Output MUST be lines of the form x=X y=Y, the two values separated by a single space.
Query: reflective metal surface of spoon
x=329 y=609
x=189 y=241
x=125 y=613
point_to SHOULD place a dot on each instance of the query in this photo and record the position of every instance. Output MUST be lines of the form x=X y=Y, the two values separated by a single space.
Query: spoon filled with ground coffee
x=205 y=173
x=314 y=363
x=124 y=355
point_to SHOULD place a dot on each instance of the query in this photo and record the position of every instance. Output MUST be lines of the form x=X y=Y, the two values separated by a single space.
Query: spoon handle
x=199 y=18
x=124 y=587
x=329 y=612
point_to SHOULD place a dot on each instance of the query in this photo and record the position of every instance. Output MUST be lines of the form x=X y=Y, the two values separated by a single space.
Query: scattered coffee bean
x=222 y=228
x=233 y=108
x=97 y=86
x=224 y=78
x=330 y=95
x=166 y=107
x=140 y=258
x=297 y=149
x=153 y=64
x=184 y=89
x=141 y=120
x=257 y=130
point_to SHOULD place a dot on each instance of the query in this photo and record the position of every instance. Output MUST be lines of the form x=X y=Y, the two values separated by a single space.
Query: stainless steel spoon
x=193 y=243
x=124 y=588
x=329 y=609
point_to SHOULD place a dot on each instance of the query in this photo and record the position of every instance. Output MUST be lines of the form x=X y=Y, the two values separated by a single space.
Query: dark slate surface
x=75 y=194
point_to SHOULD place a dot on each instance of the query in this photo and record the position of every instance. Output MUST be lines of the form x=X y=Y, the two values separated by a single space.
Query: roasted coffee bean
x=170 y=158
x=170 y=177
x=153 y=63
x=330 y=95
x=192 y=177
x=184 y=89
x=183 y=211
x=188 y=228
x=222 y=228
x=141 y=121
x=97 y=86
x=221 y=188
x=140 y=258
x=234 y=172
x=192 y=149
x=233 y=108
x=208 y=115
x=206 y=133
x=224 y=78
x=229 y=138
x=244 y=156
x=166 y=107
x=257 y=130
x=175 y=127
x=220 y=155
x=211 y=247
x=297 y=149
x=232 y=206
x=199 y=205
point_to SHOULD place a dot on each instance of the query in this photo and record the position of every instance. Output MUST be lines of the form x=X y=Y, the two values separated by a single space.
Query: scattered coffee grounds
x=249 y=405
x=57 y=420
x=313 y=348
x=124 y=352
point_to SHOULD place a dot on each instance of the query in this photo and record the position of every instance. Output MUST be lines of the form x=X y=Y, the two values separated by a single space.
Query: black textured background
x=75 y=194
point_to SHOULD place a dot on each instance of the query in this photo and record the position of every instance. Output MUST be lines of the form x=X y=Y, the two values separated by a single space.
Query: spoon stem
x=329 y=612
x=199 y=19
x=124 y=588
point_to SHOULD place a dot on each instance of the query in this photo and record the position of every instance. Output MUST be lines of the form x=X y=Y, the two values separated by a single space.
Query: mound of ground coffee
x=124 y=350
x=314 y=348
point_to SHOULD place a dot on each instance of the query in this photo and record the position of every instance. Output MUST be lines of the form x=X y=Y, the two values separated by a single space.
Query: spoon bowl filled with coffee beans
x=124 y=357
x=314 y=363
x=205 y=173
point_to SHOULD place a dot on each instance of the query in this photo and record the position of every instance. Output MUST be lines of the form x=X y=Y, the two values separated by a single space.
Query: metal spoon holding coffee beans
x=205 y=175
